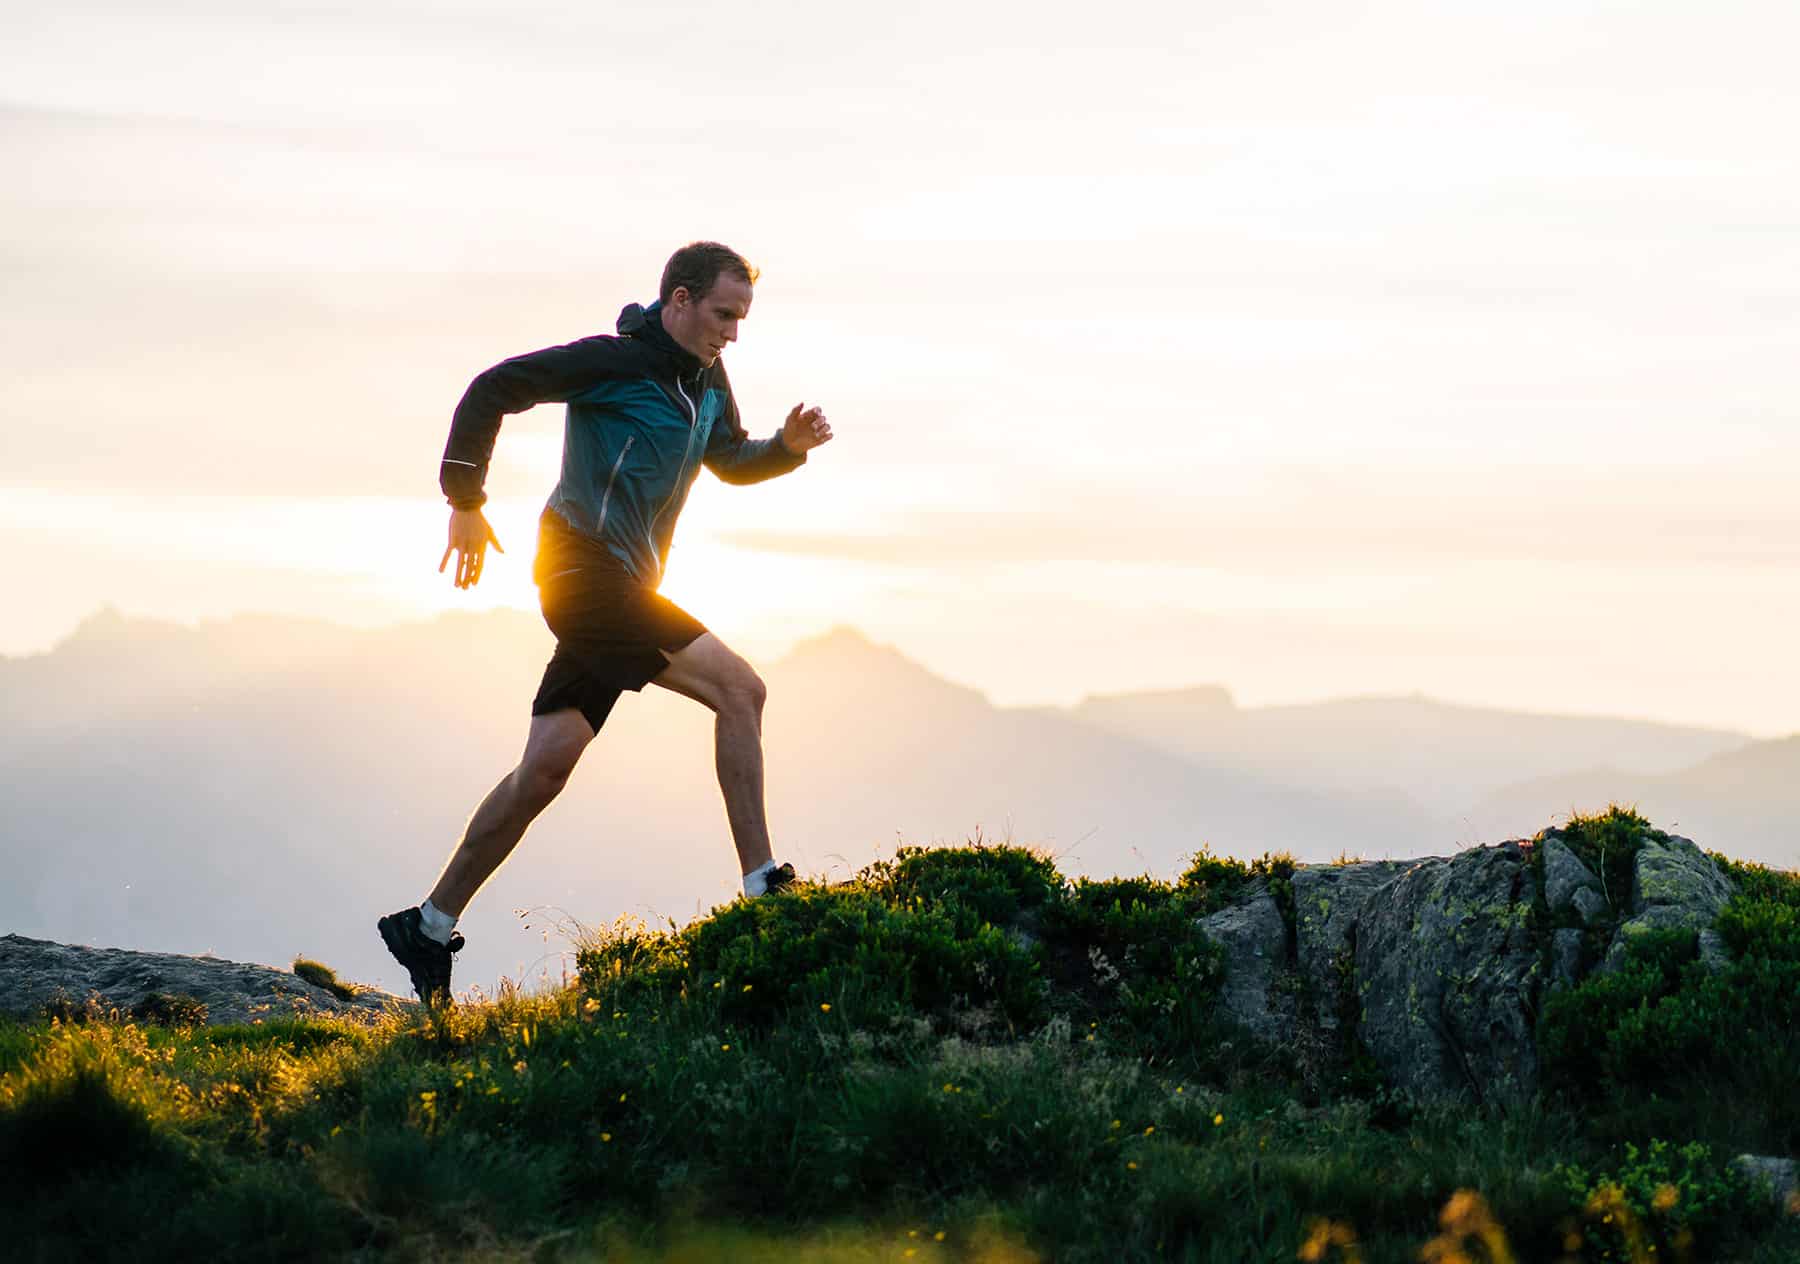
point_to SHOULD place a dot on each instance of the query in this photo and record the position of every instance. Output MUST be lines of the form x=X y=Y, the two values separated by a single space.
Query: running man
x=645 y=410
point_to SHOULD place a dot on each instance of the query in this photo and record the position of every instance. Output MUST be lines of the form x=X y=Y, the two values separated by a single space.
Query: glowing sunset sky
x=1324 y=350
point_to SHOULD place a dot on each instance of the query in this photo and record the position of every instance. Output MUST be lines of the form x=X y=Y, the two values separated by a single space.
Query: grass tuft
x=321 y=975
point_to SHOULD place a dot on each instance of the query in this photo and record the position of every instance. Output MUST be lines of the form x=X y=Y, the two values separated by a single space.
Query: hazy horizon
x=780 y=650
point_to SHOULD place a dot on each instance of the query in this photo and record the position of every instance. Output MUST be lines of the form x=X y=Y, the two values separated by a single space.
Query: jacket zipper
x=681 y=471
x=604 y=500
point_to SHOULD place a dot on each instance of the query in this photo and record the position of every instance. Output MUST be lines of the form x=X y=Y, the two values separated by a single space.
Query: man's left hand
x=804 y=428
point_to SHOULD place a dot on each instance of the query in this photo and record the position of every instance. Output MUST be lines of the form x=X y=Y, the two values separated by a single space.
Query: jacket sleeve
x=540 y=377
x=737 y=458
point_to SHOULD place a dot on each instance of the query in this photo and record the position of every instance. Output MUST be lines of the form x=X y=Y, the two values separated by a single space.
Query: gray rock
x=1446 y=968
x=1779 y=1177
x=1565 y=958
x=1328 y=899
x=1565 y=876
x=1714 y=956
x=1674 y=886
x=1255 y=943
x=35 y=973
x=1676 y=874
x=1591 y=905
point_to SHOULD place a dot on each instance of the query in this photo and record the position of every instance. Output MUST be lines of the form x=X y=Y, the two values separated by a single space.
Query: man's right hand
x=469 y=538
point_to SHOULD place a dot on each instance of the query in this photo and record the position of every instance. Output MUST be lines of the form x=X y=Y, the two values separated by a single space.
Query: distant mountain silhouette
x=263 y=786
x=1750 y=796
x=1443 y=755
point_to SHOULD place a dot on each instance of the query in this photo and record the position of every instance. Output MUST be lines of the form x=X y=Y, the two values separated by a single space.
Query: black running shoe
x=779 y=878
x=425 y=959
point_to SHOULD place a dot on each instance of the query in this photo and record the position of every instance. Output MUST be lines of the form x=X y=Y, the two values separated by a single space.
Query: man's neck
x=690 y=361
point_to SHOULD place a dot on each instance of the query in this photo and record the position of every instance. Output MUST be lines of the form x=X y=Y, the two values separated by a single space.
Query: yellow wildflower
x=1217 y=1120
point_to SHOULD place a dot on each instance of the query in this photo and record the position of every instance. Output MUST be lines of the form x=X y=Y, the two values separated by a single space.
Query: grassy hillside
x=955 y=1056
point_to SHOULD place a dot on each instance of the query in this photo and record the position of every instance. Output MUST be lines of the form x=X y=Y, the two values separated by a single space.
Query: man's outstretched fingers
x=447 y=552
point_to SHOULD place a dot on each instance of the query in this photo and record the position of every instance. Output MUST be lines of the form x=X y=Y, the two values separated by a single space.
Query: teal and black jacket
x=643 y=416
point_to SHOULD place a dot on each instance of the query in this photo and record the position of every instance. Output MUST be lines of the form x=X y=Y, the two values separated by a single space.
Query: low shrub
x=847 y=947
x=1658 y=1203
x=1663 y=1033
x=1129 y=955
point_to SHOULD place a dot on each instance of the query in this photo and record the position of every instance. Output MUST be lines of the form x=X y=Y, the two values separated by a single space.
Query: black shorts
x=611 y=630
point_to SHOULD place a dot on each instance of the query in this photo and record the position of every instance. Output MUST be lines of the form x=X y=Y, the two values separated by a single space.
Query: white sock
x=756 y=881
x=436 y=923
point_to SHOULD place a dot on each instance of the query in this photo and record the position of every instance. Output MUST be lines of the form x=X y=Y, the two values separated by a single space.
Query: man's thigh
x=706 y=670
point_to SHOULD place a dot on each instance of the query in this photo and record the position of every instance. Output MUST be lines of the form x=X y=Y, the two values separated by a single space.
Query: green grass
x=321 y=975
x=956 y=1043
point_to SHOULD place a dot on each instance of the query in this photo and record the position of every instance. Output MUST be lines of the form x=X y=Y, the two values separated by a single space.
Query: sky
x=1311 y=350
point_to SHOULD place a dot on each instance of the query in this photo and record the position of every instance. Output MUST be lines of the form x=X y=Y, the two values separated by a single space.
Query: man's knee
x=747 y=692
x=542 y=779
x=550 y=757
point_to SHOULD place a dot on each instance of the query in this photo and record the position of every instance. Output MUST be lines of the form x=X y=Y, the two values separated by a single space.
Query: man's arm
x=737 y=458
x=541 y=377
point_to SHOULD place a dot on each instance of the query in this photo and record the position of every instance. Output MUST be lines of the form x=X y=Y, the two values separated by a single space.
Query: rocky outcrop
x=1255 y=941
x=1439 y=966
x=1328 y=903
x=37 y=976
x=1569 y=884
x=1674 y=886
x=1446 y=967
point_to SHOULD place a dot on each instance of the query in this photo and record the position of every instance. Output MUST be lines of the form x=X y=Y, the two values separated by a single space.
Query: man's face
x=705 y=325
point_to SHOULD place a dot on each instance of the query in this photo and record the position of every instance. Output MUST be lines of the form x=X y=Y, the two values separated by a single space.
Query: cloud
x=1334 y=524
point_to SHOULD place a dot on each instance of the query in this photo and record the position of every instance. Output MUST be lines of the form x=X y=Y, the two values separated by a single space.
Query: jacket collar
x=645 y=324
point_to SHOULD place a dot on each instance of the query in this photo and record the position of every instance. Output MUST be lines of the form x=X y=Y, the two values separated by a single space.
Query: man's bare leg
x=709 y=672
x=551 y=749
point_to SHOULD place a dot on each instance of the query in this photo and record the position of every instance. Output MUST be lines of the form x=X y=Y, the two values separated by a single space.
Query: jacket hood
x=645 y=324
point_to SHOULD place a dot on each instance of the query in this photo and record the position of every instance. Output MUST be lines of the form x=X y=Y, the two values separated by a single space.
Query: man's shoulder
x=610 y=344
x=612 y=357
